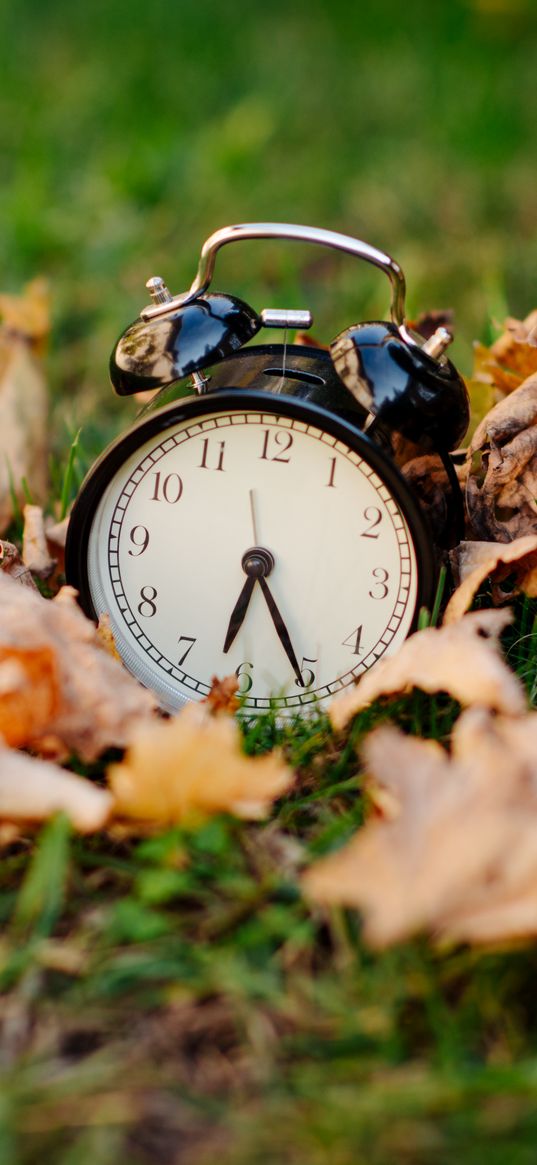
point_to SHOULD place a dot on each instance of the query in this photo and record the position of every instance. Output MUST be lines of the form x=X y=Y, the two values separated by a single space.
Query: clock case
x=379 y=388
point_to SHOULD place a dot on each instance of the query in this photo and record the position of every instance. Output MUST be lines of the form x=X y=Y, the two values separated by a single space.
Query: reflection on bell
x=156 y=352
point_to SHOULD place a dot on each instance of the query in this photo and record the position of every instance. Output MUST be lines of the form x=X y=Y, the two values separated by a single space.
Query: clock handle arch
x=295 y=233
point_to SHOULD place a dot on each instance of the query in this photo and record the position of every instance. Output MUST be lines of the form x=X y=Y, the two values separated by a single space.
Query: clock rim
x=232 y=399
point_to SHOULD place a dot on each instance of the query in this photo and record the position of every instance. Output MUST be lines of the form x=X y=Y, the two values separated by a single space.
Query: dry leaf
x=32 y=790
x=11 y=563
x=501 y=487
x=223 y=695
x=462 y=659
x=59 y=690
x=428 y=322
x=428 y=480
x=458 y=853
x=193 y=765
x=106 y=635
x=23 y=398
x=35 y=552
x=473 y=562
x=28 y=315
x=511 y=358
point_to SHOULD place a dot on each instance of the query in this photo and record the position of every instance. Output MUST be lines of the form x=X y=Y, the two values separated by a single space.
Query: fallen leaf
x=33 y=790
x=473 y=562
x=511 y=358
x=106 y=635
x=428 y=480
x=428 y=322
x=192 y=766
x=501 y=486
x=462 y=659
x=23 y=398
x=457 y=854
x=60 y=691
x=11 y=563
x=223 y=694
x=28 y=315
x=35 y=552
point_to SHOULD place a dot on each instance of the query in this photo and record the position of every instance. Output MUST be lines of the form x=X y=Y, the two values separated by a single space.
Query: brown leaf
x=11 y=563
x=59 y=690
x=428 y=322
x=511 y=358
x=192 y=766
x=23 y=399
x=431 y=660
x=32 y=790
x=458 y=853
x=473 y=562
x=27 y=316
x=501 y=487
x=428 y=480
x=35 y=552
x=223 y=694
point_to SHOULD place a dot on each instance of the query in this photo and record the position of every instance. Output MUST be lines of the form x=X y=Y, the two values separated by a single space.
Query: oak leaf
x=60 y=691
x=33 y=790
x=192 y=766
x=462 y=659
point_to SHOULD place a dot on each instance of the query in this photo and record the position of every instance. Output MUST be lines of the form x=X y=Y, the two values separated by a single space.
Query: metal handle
x=299 y=234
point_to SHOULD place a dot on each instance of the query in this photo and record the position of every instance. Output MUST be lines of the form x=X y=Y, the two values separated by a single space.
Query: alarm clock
x=261 y=524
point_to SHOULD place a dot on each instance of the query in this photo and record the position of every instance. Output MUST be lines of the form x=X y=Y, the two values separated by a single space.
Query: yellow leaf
x=192 y=766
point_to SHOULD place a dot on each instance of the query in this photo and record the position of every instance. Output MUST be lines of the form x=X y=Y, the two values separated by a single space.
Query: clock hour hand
x=282 y=630
x=256 y=562
x=239 y=611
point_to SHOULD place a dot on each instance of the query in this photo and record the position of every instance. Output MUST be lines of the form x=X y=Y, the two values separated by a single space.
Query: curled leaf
x=192 y=765
x=35 y=552
x=501 y=486
x=462 y=659
x=60 y=692
x=33 y=790
x=11 y=563
x=473 y=562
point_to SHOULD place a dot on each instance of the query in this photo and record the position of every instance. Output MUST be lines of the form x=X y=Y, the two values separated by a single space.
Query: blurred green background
x=132 y=131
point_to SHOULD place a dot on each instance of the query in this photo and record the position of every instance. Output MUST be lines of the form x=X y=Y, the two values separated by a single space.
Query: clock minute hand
x=281 y=629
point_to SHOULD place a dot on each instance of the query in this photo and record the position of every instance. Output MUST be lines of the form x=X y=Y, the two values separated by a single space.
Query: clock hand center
x=257 y=563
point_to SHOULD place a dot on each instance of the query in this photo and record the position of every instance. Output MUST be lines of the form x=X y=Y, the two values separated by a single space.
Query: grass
x=174 y=999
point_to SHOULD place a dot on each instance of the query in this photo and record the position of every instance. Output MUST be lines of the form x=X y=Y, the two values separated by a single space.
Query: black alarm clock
x=261 y=525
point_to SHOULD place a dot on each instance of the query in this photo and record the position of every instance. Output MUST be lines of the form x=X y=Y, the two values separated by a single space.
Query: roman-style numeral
x=331 y=483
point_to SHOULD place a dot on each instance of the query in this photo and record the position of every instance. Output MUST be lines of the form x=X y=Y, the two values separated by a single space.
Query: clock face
x=241 y=540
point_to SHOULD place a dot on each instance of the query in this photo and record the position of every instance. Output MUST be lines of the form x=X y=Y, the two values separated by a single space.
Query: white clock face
x=253 y=543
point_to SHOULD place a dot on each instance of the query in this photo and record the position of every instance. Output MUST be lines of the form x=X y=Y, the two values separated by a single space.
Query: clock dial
x=251 y=542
